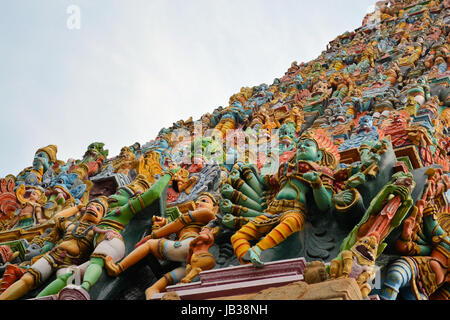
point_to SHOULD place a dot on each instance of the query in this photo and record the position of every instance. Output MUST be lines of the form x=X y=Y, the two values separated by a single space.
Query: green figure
x=108 y=240
x=286 y=198
x=386 y=211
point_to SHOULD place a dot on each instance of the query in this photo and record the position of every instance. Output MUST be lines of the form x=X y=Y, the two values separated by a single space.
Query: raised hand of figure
x=234 y=174
x=226 y=205
x=403 y=192
x=110 y=234
x=311 y=176
x=229 y=221
x=158 y=222
x=112 y=269
x=356 y=180
x=408 y=227
x=343 y=198
x=227 y=190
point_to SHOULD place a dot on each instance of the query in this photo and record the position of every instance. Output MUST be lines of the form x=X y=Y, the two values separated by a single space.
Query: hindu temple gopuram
x=332 y=182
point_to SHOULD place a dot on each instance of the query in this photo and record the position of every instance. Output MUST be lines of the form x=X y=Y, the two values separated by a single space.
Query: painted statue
x=187 y=227
x=310 y=170
x=108 y=241
x=31 y=213
x=74 y=249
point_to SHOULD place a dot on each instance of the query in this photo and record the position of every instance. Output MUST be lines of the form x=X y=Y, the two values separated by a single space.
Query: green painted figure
x=108 y=240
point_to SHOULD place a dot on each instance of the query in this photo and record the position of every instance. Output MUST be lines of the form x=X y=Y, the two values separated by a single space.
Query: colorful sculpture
x=187 y=227
x=342 y=159
x=77 y=244
x=286 y=213
x=108 y=240
x=31 y=213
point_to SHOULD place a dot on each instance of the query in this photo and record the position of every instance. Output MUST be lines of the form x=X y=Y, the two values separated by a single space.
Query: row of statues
x=343 y=160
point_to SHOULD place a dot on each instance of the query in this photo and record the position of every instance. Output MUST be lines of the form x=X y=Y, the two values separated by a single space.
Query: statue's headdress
x=50 y=150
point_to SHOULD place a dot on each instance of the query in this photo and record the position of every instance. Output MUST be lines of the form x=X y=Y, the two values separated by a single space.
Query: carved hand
x=356 y=180
x=158 y=222
x=226 y=205
x=408 y=227
x=343 y=198
x=229 y=221
x=312 y=176
x=110 y=234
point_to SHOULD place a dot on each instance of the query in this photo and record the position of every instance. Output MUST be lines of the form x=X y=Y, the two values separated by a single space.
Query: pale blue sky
x=136 y=66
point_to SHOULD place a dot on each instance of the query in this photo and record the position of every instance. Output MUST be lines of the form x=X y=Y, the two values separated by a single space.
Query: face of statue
x=34 y=195
x=94 y=212
x=118 y=199
x=308 y=151
x=41 y=161
x=287 y=130
x=404 y=179
x=366 y=121
x=365 y=250
x=205 y=202
x=126 y=153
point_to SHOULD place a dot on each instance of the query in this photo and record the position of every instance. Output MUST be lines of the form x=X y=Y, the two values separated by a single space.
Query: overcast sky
x=135 y=66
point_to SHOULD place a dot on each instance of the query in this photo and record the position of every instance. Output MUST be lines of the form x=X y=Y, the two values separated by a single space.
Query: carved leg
x=289 y=224
x=199 y=262
x=365 y=290
x=193 y=272
x=19 y=288
x=173 y=277
x=134 y=257
x=398 y=276
x=55 y=286
x=240 y=240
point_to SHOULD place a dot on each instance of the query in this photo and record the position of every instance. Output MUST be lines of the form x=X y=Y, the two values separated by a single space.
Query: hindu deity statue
x=74 y=249
x=125 y=162
x=310 y=170
x=320 y=92
x=366 y=241
x=31 y=213
x=199 y=258
x=296 y=116
x=182 y=181
x=108 y=241
x=230 y=117
x=363 y=133
x=412 y=54
x=187 y=227
x=393 y=75
x=65 y=190
x=44 y=158
x=439 y=57
x=93 y=158
x=368 y=57
x=150 y=166
x=417 y=92
x=423 y=272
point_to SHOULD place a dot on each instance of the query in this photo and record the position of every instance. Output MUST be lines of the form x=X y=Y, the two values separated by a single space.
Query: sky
x=117 y=71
